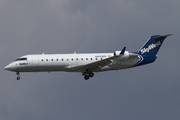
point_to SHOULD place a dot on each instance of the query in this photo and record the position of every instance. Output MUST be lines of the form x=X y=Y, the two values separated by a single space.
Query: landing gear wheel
x=18 y=78
x=86 y=77
x=17 y=73
x=91 y=74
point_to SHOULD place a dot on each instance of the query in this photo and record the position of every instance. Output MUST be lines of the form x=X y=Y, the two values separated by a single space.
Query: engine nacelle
x=124 y=57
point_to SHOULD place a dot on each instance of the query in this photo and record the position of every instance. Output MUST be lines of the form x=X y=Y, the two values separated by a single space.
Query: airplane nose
x=9 y=67
x=6 y=68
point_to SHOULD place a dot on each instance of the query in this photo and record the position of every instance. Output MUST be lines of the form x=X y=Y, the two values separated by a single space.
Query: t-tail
x=152 y=46
x=148 y=52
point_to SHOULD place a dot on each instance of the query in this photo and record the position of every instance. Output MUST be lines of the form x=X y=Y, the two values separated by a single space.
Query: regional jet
x=88 y=63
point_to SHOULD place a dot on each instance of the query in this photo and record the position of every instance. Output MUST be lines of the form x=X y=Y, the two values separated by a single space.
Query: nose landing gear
x=18 y=75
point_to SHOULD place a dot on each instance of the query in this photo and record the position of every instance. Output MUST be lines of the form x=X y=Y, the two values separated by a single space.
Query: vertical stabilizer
x=152 y=46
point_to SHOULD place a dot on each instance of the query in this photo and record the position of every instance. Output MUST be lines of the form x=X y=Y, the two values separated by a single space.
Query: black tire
x=91 y=74
x=86 y=77
x=18 y=78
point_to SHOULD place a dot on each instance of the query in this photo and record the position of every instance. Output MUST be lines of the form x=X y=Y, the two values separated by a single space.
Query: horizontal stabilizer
x=163 y=36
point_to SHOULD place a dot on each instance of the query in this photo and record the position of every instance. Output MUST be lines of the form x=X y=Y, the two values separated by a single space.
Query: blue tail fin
x=152 y=46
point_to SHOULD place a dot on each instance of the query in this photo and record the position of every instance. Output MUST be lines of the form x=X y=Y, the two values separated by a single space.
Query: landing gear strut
x=18 y=77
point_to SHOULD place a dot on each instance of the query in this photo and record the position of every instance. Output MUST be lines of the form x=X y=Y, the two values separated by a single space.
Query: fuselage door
x=29 y=60
x=33 y=60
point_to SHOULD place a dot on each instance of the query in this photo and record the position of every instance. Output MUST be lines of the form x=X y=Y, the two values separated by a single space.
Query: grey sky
x=149 y=92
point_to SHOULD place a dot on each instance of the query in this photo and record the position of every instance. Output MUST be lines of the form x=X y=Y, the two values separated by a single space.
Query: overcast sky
x=150 y=92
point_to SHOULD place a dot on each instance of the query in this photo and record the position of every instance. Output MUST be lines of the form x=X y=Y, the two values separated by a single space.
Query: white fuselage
x=66 y=62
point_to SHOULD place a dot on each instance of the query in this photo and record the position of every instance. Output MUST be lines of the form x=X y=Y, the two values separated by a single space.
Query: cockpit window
x=20 y=59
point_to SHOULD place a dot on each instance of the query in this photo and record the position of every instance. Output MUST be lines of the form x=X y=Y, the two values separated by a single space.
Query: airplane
x=88 y=63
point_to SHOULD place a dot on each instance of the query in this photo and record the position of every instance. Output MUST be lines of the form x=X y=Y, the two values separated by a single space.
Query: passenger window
x=46 y=59
x=67 y=59
x=81 y=58
x=42 y=60
x=51 y=59
x=76 y=58
x=57 y=59
x=96 y=59
x=72 y=59
x=62 y=59
x=86 y=58
x=91 y=59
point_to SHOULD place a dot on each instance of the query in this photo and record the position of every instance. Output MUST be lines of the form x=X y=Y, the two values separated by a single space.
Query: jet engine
x=123 y=57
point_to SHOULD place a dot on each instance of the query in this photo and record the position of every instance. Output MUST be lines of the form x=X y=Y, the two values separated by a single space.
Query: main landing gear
x=88 y=74
x=18 y=75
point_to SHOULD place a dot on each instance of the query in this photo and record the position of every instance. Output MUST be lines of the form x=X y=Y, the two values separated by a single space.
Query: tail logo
x=150 y=47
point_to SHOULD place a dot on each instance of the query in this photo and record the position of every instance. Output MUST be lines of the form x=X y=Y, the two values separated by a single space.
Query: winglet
x=123 y=50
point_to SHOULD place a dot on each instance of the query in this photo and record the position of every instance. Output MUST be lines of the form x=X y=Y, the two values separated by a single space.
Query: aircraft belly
x=42 y=68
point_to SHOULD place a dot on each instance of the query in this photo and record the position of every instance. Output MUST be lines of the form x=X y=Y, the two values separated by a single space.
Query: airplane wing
x=96 y=66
